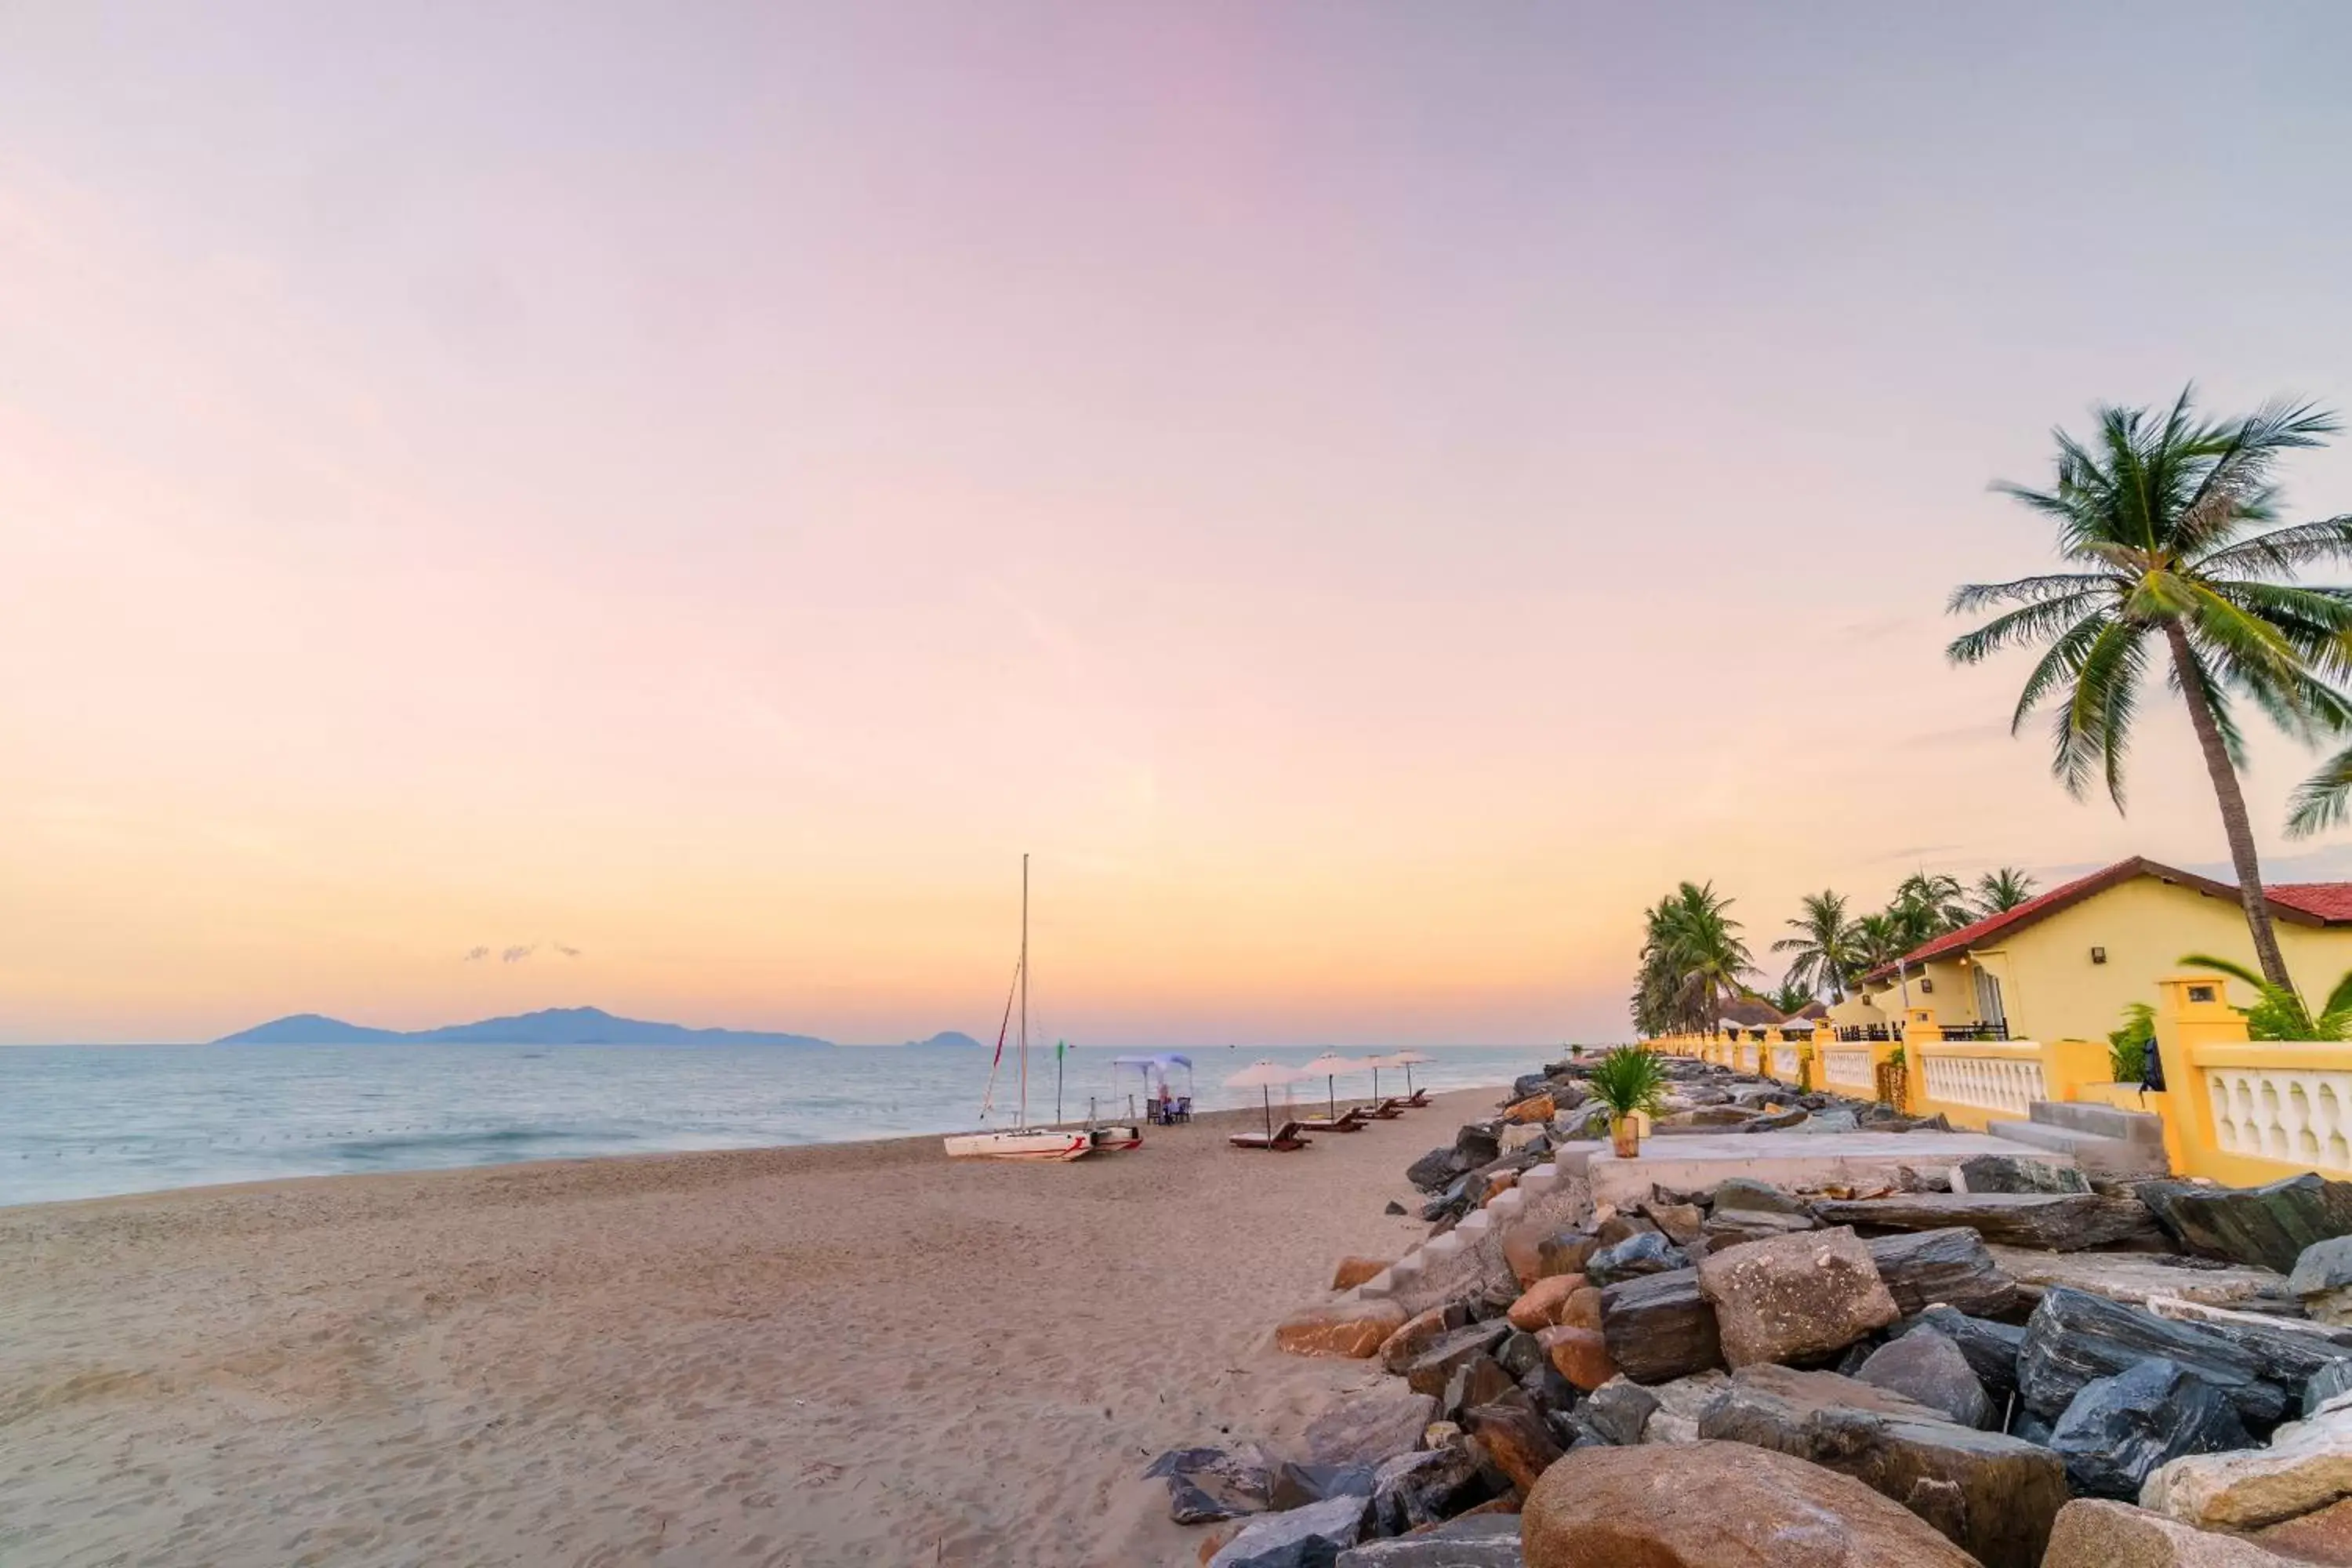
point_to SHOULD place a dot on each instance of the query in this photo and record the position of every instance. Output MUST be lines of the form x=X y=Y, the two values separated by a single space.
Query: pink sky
x=1368 y=495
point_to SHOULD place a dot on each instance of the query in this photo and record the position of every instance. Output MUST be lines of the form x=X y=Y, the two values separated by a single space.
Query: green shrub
x=1628 y=1079
x=2127 y=1046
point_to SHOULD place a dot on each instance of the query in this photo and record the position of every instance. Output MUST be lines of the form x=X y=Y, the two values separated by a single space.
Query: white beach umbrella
x=1402 y=1060
x=1263 y=1076
x=1328 y=1067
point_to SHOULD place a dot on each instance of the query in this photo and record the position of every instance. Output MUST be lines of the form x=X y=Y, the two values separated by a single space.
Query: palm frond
x=2320 y=802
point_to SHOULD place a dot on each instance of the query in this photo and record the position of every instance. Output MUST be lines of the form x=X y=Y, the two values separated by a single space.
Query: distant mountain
x=550 y=1026
x=947 y=1038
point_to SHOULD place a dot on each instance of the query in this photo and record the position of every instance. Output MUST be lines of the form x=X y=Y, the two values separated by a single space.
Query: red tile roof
x=2298 y=903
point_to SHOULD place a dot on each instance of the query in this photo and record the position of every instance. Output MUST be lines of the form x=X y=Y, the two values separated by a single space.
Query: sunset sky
x=1368 y=494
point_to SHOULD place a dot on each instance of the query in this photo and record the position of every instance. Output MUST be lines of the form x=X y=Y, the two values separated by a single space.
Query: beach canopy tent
x=1263 y=1076
x=1328 y=1067
x=1154 y=1069
x=1404 y=1059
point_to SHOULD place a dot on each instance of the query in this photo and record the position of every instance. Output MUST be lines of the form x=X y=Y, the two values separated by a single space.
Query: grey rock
x=2074 y=1338
x=1205 y=1485
x=1830 y=1121
x=1617 y=1411
x=1778 y=1122
x=2119 y=1429
x=2060 y=1222
x=1926 y=1366
x=1743 y=1193
x=1648 y=1252
x=1584 y=1124
x=1367 y=1429
x=2322 y=1280
x=1682 y=1405
x=1420 y=1488
x=1433 y=1171
x=1733 y=1227
x=1481 y=1541
x=1660 y=1327
x=1951 y=1267
x=1519 y=1353
x=1992 y=1349
x=1480 y=1380
x=1394 y=1207
x=1309 y=1537
x=2330 y=1381
x=2269 y=1225
x=2016 y=1173
x=1992 y=1495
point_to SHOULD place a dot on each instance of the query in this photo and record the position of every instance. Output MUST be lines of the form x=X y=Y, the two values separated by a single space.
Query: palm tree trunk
x=2235 y=824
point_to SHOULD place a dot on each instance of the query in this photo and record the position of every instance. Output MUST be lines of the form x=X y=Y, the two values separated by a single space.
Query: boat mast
x=1024 y=990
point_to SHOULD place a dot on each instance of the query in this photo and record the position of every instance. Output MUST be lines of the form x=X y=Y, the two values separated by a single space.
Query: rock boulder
x=1926 y=1366
x=1370 y=1428
x=2074 y=1338
x=1349 y=1330
x=2094 y=1534
x=2307 y=1466
x=1717 y=1505
x=1309 y=1537
x=1799 y=1296
x=2120 y=1428
x=2267 y=1225
x=2059 y=1222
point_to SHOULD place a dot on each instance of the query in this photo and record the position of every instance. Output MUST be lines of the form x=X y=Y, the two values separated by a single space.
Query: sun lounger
x=1285 y=1138
x=1349 y=1120
x=1419 y=1097
x=1388 y=1110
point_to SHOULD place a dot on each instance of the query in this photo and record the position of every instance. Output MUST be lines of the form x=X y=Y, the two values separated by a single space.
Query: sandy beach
x=855 y=1353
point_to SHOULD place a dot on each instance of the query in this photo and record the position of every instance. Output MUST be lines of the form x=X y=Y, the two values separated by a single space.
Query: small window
x=2098 y=955
x=2201 y=994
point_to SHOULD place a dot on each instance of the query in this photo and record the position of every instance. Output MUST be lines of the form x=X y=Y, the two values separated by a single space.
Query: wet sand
x=854 y=1354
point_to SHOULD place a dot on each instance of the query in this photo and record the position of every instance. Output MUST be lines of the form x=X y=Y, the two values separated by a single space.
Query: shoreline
x=910 y=1144
x=841 y=1352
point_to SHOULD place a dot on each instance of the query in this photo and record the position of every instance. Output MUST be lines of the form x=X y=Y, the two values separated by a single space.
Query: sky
x=662 y=506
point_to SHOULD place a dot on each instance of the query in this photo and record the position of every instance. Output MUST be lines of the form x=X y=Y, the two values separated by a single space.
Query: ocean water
x=79 y=1121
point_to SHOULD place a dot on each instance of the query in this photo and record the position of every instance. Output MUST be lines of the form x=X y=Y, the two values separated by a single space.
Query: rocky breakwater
x=1756 y=1375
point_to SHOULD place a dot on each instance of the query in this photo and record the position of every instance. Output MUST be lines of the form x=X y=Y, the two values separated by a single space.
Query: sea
x=81 y=1122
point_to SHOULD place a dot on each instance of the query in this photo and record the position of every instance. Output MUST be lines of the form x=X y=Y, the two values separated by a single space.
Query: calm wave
x=88 y=1121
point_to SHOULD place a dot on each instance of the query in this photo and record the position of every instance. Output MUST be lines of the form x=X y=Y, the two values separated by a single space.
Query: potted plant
x=1630 y=1080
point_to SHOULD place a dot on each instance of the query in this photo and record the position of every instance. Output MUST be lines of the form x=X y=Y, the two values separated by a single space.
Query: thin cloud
x=517 y=955
x=476 y=954
x=567 y=952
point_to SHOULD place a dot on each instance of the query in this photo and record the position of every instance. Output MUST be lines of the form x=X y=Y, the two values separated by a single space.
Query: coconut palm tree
x=1820 y=953
x=1877 y=941
x=2164 y=523
x=1997 y=892
x=1790 y=996
x=1926 y=907
x=1693 y=960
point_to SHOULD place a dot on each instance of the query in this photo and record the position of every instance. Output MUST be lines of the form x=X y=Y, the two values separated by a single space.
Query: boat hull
x=1028 y=1145
x=1114 y=1140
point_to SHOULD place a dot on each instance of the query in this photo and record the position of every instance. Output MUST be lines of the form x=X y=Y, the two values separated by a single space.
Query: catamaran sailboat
x=1023 y=1141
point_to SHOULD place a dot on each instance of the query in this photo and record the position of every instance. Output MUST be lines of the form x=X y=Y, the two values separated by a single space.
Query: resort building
x=2066 y=966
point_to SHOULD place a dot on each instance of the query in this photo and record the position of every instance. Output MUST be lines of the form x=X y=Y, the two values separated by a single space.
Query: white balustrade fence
x=1849 y=1067
x=1784 y=1063
x=2282 y=1113
x=1985 y=1083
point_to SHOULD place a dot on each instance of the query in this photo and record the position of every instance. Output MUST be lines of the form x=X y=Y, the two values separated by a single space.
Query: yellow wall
x=2052 y=989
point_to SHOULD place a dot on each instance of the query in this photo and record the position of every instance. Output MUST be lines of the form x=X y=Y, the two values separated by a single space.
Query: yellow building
x=2066 y=966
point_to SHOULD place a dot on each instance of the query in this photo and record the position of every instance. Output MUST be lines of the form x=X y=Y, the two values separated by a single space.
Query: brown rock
x=2322 y=1537
x=1579 y=1355
x=1354 y=1271
x=1369 y=1427
x=1564 y=1251
x=1431 y=1371
x=1416 y=1334
x=2094 y=1533
x=1514 y=1439
x=1801 y=1294
x=1501 y=1181
x=1523 y=1252
x=1535 y=1108
x=1540 y=1306
x=1717 y=1505
x=1681 y=1221
x=1581 y=1310
x=1352 y=1329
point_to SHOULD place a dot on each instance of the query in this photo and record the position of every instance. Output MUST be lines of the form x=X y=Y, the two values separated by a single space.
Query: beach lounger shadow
x=1283 y=1138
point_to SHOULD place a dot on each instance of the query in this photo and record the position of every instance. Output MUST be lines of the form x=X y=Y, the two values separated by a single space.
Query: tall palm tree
x=1999 y=891
x=1821 y=955
x=1693 y=960
x=1790 y=997
x=2163 y=522
x=1926 y=906
x=1877 y=941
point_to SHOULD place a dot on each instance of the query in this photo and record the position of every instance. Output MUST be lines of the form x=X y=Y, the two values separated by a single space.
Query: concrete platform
x=1793 y=1159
